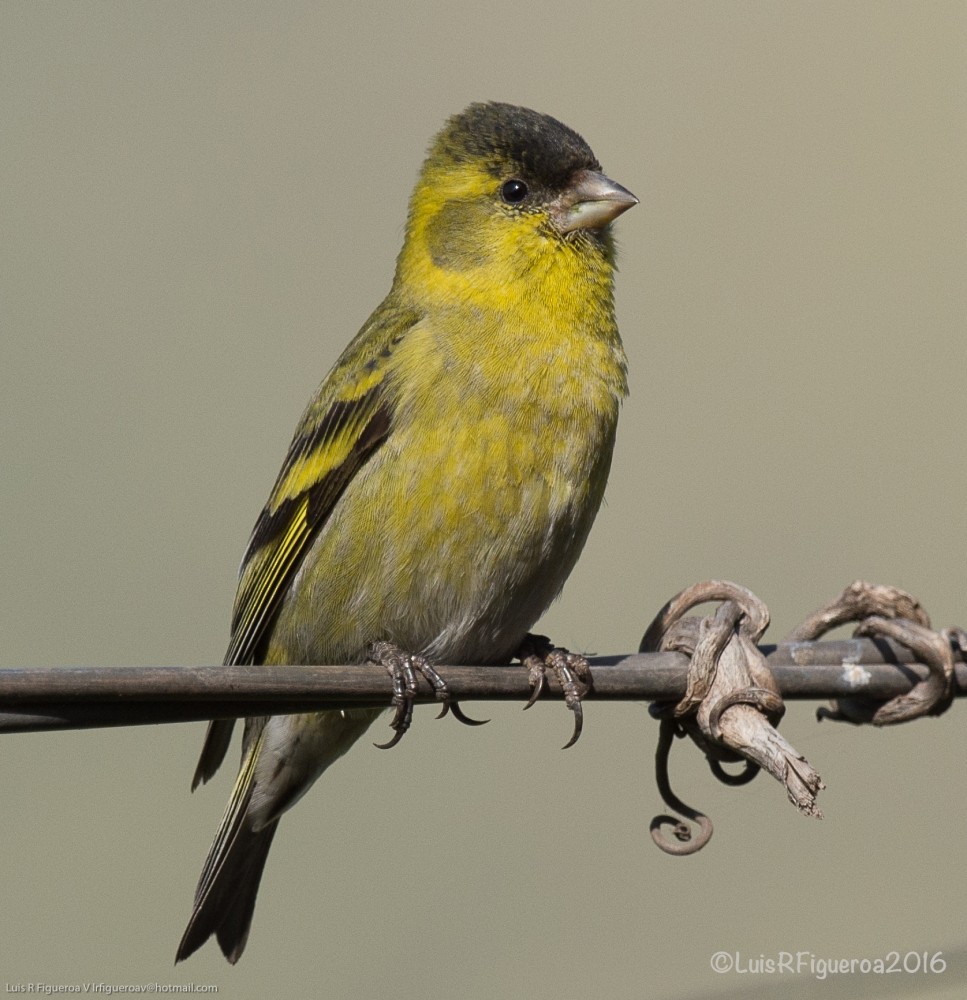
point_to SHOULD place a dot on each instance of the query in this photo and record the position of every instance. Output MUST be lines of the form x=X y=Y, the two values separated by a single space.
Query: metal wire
x=39 y=699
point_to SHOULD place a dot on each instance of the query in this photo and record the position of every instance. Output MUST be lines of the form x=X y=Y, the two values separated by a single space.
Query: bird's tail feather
x=217 y=739
x=229 y=882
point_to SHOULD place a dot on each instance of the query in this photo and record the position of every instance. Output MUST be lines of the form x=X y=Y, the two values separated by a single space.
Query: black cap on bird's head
x=503 y=184
x=500 y=134
x=535 y=155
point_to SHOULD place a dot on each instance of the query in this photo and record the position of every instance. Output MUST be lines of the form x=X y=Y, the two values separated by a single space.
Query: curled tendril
x=681 y=831
x=748 y=772
x=887 y=612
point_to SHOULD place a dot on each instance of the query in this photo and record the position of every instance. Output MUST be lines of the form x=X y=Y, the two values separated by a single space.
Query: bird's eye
x=513 y=191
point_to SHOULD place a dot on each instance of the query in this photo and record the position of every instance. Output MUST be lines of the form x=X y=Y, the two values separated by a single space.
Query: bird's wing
x=346 y=422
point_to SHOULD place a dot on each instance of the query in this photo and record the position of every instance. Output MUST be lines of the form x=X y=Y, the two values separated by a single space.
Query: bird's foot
x=573 y=673
x=403 y=668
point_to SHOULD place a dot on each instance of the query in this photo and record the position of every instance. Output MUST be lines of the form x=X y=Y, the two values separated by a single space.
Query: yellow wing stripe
x=269 y=574
x=322 y=459
x=310 y=468
x=269 y=577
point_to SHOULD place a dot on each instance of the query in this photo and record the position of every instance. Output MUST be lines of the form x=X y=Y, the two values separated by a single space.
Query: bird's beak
x=590 y=201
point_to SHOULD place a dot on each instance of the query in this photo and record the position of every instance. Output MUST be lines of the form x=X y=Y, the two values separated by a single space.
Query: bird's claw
x=403 y=668
x=536 y=675
x=460 y=715
x=453 y=708
x=573 y=673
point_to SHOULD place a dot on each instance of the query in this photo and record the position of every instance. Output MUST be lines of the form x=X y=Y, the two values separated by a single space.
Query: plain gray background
x=201 y=203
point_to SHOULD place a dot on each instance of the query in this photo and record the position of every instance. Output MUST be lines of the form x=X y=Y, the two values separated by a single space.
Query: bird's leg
x=572 y=671
x=403 y=668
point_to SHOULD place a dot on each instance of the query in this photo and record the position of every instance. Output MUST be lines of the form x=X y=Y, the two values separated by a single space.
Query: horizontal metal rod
x=40 y=699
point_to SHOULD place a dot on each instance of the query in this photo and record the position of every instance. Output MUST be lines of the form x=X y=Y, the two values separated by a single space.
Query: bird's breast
x=462 y=527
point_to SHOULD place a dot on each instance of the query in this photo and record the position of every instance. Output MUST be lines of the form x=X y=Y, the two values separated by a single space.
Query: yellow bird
x=443 y=479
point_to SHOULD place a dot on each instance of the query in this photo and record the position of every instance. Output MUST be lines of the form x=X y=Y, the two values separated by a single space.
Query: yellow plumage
x=442 y=482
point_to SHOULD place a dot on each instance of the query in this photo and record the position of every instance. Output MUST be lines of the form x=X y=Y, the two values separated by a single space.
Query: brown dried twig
x=887 y=612
x=732 y=703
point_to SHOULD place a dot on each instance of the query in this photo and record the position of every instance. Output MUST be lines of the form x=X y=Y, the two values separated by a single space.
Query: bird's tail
x=299 y=748
x=229 y=883
x=217 y=739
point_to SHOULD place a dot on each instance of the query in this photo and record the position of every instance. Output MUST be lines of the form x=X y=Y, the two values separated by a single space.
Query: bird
x=443 y=479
